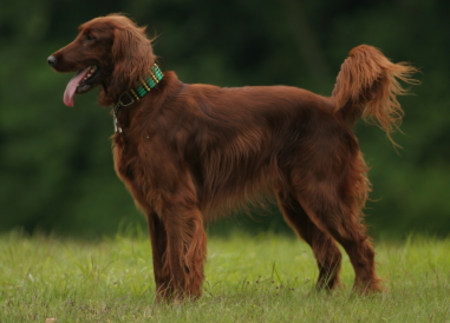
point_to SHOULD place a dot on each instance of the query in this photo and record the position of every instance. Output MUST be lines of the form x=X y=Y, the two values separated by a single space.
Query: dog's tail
x=367 y=86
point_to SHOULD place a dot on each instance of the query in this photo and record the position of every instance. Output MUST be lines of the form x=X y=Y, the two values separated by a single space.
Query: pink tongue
x=72 y=87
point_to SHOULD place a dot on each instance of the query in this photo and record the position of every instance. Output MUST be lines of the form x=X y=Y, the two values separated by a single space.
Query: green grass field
x=267 y=278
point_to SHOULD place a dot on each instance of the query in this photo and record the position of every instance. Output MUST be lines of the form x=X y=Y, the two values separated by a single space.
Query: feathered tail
x=367 y=86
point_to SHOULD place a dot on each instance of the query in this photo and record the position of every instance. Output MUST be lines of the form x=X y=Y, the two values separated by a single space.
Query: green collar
x=143 y=87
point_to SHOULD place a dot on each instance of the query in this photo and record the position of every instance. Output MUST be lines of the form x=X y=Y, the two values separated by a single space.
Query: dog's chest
x=128 y=163
x=139 y=162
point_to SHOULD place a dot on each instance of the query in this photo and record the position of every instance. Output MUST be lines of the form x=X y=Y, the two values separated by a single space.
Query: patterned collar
x=144 y=86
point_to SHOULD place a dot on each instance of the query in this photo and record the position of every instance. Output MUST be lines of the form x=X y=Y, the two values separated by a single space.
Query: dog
x=191 y=152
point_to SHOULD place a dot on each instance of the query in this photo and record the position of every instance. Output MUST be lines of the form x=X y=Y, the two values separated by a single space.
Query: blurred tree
x=55 y=163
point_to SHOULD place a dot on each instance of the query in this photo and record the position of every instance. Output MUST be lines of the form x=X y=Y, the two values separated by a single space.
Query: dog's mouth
x=84 y=81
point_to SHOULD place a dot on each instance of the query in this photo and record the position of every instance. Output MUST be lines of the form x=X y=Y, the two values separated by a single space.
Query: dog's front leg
x=158 y=238
x=182 y=270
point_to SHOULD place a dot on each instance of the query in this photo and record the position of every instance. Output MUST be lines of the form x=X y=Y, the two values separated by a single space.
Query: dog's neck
x=143 y=86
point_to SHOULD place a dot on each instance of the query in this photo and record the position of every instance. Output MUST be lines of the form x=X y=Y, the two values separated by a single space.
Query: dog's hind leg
x=337 y=212
x=324 y=247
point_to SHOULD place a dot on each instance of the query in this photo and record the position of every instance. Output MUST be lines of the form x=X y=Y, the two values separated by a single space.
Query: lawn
x=264 y=278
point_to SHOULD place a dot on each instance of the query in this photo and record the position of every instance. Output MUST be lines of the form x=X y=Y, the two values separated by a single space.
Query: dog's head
x=109 y=51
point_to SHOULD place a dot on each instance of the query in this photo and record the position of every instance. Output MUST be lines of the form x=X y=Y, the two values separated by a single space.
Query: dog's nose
x=52 y=61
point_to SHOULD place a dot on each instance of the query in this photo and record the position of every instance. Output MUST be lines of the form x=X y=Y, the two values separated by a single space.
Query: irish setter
x=189 y=152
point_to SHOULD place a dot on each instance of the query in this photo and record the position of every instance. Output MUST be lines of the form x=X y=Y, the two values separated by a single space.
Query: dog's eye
x=90 y=37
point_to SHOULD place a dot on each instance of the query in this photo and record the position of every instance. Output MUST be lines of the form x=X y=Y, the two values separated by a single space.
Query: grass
x=267 y=278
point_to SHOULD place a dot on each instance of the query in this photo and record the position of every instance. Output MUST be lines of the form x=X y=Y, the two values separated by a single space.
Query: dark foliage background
x=56 y=169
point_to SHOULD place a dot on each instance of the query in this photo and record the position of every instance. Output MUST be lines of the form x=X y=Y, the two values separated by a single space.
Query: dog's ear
x=132 y=56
